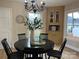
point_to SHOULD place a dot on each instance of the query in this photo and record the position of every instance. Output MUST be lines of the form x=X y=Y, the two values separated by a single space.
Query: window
x=73 y=23
x=37 y=31
x=33 y=15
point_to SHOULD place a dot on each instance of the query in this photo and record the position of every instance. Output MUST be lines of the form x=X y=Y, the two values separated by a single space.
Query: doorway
x=5 y=25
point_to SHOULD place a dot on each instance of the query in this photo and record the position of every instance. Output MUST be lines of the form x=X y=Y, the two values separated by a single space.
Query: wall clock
x=20 y=19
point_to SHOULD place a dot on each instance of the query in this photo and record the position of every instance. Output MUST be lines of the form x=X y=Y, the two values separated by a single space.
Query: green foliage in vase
x=36 y=24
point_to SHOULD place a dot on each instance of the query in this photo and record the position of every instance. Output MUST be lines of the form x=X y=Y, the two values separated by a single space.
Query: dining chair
x=21 y=36
x=43 y=36
x=57 y=53
x=9 y=53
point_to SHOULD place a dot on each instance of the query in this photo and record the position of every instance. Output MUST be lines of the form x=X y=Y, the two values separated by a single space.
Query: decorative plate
x=19 y=19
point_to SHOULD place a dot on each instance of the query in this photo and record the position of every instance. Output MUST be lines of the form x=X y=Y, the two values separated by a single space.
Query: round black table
x=23 y=45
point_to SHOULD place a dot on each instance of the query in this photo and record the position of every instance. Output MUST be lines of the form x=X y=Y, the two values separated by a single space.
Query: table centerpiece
x=32 y=26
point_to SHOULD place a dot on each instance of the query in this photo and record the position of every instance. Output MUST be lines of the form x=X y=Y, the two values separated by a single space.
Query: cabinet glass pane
x=51 y=17
x=57 y=16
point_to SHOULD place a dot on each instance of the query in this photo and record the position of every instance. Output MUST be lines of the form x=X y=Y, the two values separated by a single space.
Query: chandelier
x=34 y=6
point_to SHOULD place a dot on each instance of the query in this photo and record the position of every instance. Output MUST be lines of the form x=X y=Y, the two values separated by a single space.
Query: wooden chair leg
x=45 y=56
x=25 y=56
x=59 y=58
x=29 y=55
x=54 y=57
x=48 y=57
x=40 y=55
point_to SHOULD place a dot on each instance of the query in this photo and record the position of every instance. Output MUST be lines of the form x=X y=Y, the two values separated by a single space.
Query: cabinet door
x=58 y=19
x=59 y=14
x=55 y=37
x=50 y=17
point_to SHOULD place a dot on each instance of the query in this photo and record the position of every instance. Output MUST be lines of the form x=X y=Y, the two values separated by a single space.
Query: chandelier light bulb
x=25 y=1
x=41 y=2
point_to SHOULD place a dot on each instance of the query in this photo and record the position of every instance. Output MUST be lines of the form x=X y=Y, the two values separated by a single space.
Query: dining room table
x=33 y=48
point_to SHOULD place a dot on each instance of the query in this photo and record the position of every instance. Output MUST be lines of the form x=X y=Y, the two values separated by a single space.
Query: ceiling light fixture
x=34 y=6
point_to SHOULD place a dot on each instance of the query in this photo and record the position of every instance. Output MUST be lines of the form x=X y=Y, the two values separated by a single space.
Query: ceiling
x=52 y=2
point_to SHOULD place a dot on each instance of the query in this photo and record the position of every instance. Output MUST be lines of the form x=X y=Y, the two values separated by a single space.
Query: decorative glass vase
x=31 y=36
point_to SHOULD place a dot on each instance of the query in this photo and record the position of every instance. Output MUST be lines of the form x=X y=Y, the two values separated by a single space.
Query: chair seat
x=54 y=53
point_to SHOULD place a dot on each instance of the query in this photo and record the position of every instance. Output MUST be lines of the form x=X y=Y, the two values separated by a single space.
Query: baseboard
x=71 y=47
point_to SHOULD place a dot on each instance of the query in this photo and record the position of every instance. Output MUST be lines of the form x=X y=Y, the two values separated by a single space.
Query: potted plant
x=33 y=25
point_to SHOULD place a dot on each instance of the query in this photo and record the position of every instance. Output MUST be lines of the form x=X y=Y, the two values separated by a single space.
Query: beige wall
x=44 y=16
x=17 y=9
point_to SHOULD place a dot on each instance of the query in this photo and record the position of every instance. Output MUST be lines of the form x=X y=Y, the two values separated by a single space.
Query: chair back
x=6 y=47
x=63 y=45
x=44 y=36
x=21 y=36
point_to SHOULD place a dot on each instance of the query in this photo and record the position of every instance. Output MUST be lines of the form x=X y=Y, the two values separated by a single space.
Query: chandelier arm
x=29 y=8
x=38 y=8
x=34 y=6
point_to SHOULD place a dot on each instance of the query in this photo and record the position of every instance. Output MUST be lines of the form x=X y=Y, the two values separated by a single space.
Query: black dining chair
x=9 y=53
x=43 y=36
x=57 y=53
x=21 y=36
